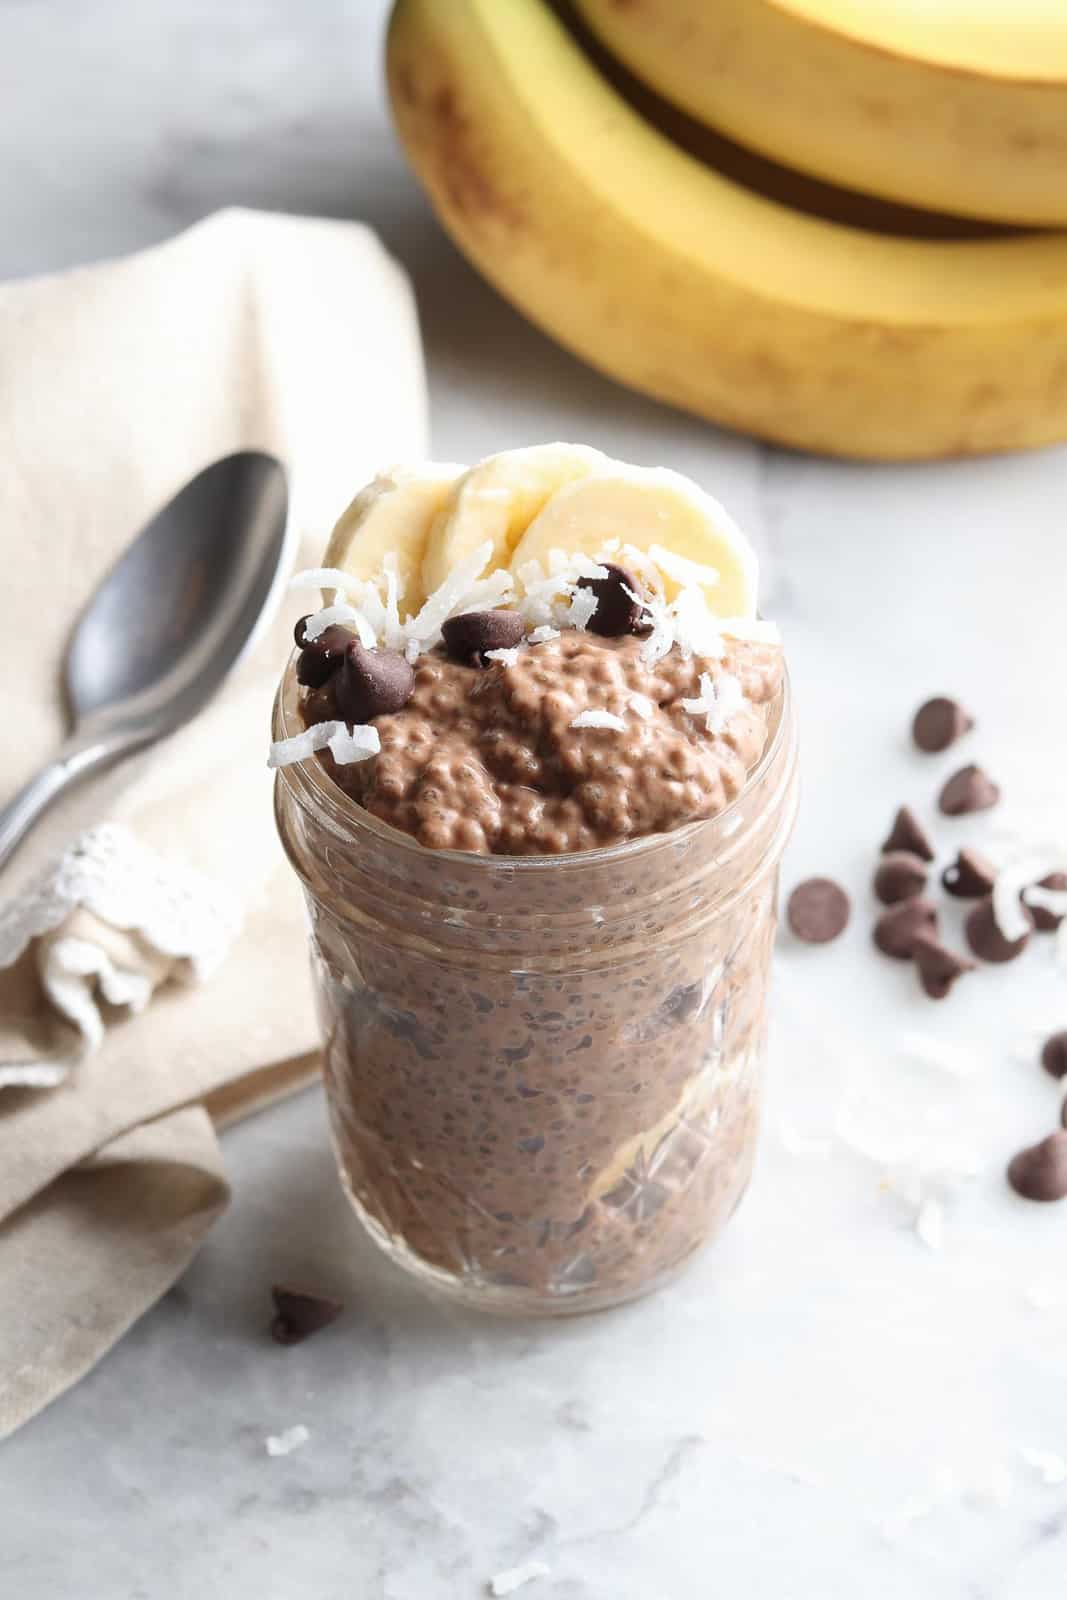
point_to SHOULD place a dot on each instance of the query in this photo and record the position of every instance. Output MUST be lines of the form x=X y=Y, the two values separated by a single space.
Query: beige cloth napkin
x=117 y=383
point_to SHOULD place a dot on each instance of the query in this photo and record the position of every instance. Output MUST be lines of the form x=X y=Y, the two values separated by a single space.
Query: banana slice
x=497 y=500
x=648 y=507
x=392 y=517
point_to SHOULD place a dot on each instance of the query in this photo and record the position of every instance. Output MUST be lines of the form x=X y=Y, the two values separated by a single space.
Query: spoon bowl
x=167 y=623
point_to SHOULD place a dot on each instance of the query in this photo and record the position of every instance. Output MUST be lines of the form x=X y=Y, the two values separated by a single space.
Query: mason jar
x=543 y=1072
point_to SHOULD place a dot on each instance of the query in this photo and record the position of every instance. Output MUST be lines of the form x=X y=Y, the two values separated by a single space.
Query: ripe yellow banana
x=958 y=105
x=691 y=288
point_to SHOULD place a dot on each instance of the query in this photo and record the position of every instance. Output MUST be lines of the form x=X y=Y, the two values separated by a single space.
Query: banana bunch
x=531 y=505
x=672 y=276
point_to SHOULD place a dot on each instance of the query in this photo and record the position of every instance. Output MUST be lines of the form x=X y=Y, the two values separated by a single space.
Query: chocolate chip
x=1054 y=1055
x=939 y=967
x=969 y=789
x=939 y=723
x=616 y=613
x=818 y=910
x=469 y=636
x=1046 y=920
x=300 y=1314
x=320 y=658
x=969 y=877
x=985 y=937
x=907 y=833
x=896 y=930
x=1040 y=1173
x=320 y=705
x=900 y=876
x=372 y=683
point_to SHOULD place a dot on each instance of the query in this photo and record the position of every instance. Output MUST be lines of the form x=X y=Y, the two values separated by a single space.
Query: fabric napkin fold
x=117 y=383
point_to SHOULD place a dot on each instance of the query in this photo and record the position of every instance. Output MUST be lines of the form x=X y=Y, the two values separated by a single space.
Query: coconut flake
x=641 y=706
x=507 y=656
x=1054 y=900
x=1011 y=880
x=515 y=1577
x=681 y=570
x=599 y=719
x=356 y=744
x=438 y=607
x=717 y=702
x=412 y=651
x=328 y=617
x=290 y=1439
x=582 y=609
x=1052 y=1467
x=344 y=747
x=696 y=631
x=322 y=578
x=543 y=634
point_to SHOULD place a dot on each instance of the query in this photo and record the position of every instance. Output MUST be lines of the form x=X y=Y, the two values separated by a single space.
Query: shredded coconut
x=284 y=1443
x=1054 y=900
x=345 y=747
x=328 y=617
x=754 y=629
x=582 y=609
x=412 y=651
x=641 y=706
x=599 y=719
x=681 y=570
x=1052 y=1467
x=507 y=656
x=1011 y=880
x=322 y=578
x=357 y=744
x=439 y=606
x=516 y=1577
x=717 y=701
x=543 y=634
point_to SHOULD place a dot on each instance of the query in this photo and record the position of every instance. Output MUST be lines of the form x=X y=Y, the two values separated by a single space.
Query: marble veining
x=823 y=1407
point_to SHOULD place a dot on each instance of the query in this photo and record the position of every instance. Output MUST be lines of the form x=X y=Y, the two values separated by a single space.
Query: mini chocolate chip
x=1054 y=1055
x=320 y=705
x=907 y=833
x=300 y=1314
x=985 y=937
x=900 y=876
x=320 y=658
x=1040 y=1173
x=938 y=723
x=969 y=877
x=969 y=789
x=939 y=967
x=469 y=636
x=896 y=930
x=372 y=683
x=616 y=613
x=1046 y=920
x=818 y=910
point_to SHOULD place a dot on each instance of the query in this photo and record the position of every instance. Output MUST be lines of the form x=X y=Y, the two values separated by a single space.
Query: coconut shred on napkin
x=126 y=1043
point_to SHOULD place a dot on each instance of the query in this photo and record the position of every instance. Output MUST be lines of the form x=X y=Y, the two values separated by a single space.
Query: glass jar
x=543 y=1072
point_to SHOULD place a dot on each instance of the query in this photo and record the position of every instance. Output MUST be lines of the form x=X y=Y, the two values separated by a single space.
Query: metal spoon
x=167 y=624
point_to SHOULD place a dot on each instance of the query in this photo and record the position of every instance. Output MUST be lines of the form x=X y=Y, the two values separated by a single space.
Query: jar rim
x=314 y=789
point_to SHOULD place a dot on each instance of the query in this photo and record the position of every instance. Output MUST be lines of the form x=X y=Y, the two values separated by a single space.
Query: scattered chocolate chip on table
x=984 y=935
x=938 y=723
x=908 y=833
x=896 y=930
x=299 y=1314
x=1040 y=1172
x=970 y=877
x=818 y=910
x=938 y=966
x=1054 y=1055
x=969 y=789
x=900 y=876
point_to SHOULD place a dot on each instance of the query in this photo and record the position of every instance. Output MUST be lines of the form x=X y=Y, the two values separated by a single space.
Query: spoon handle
x=72 y=761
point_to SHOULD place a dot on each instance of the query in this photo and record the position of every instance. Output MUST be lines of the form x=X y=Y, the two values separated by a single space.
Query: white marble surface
x=824 y=1408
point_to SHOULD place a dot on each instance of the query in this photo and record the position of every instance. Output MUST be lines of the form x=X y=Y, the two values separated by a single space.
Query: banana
x=392 y=517
x=955 y=105
x=495 y=500
x=657 y=512
x=703 y=293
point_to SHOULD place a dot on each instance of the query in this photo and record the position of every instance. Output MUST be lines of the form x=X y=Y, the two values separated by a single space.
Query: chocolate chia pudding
x=542 y=882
